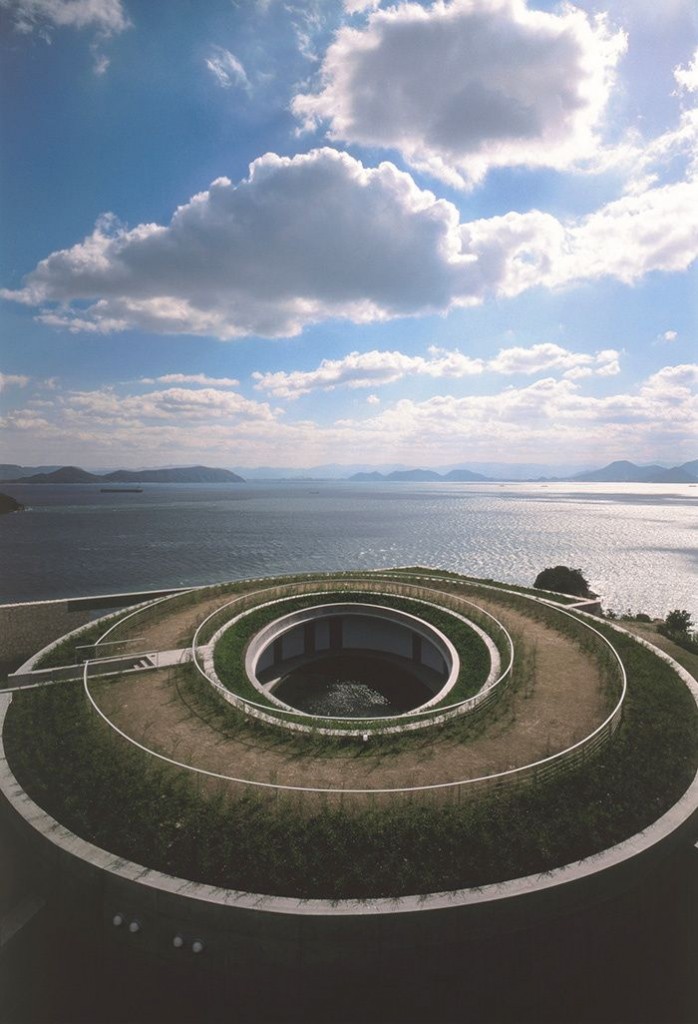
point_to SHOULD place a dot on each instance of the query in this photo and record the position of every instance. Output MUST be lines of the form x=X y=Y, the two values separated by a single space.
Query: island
x=179 y=475
x=8 y=504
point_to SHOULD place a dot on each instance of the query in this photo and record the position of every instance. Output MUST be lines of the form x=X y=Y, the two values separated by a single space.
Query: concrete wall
x=237 y=928
x=376 y=634
x=28 y=626
x=367 y=632
x=25 y=628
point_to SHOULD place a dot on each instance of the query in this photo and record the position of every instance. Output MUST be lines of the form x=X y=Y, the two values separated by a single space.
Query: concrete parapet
x=238 y=927
x=25 y=628
x=28 y=627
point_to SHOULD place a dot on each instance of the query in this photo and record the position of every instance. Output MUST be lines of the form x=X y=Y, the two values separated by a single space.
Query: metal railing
x=542 y=769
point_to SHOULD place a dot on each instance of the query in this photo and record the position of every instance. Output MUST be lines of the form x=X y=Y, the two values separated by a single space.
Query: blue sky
x=276 y=233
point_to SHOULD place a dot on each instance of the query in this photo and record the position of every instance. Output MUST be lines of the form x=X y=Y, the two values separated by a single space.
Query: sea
x=635 y=543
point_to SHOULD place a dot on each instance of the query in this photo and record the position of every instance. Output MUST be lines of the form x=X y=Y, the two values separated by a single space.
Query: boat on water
x=121 y=490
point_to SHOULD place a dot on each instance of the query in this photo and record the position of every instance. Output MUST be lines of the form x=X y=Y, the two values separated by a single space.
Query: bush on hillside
x=563 y=580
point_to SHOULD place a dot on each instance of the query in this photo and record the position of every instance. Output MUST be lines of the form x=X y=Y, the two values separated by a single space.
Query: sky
x=274 y=232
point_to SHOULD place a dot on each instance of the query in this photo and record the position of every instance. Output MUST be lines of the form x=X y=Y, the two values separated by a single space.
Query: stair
x=144 y=663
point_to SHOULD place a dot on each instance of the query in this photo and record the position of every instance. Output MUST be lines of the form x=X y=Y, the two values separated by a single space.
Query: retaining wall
x=26 y=627
x=237 y=929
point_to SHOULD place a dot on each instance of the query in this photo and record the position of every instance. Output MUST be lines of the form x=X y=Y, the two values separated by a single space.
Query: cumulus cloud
x=687 y=75
x=548 y=416
x=106 y=15
x=625 y=239
x=371 y=369
x=670 y=335
x=13 y=380
x=365 y=370
x=192 y=378
x=226 y=68
x=299 y=240
x=319 y=235
x=461 y=87
x=537 y=420
x=173 y=403
x=357 y=6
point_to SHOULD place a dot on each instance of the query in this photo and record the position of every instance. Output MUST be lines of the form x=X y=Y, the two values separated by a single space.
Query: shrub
x=563 y=580
x=679 y=622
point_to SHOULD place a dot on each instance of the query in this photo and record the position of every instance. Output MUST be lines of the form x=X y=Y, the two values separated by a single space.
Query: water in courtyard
x=352 y=686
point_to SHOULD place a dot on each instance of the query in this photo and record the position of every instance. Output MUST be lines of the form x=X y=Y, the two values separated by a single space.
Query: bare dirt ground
x=564 y=702
x=173 y=630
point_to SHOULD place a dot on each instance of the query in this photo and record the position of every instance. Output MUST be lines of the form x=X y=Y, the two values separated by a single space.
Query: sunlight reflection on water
x=635 y=543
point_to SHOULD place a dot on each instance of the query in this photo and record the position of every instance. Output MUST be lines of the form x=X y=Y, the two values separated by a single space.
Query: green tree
x=563 y=580
x=679 y=622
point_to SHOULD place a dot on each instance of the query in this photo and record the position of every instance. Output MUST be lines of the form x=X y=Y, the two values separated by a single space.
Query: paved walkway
x=116 y=665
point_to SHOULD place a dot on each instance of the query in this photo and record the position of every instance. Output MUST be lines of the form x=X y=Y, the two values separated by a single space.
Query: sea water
x=635 y=543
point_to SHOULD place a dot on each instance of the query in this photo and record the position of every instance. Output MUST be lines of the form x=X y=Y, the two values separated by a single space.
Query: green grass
x=475 y=659
x=67 y=652
x=114 y=795
x=447 y=575
x=203 y=702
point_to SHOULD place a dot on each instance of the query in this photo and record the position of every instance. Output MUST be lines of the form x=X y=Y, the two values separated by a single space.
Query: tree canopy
x=679 y=622
x=563 y=580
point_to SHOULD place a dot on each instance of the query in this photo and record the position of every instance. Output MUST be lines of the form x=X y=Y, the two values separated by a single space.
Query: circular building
x=348 y=769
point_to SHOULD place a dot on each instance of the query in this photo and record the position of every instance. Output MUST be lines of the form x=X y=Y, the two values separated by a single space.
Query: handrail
x=569 y=756
x=417 y=719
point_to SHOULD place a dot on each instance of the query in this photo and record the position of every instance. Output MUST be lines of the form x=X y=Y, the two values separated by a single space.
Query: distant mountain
x=8 y=504
x=414 y=474
x=64 y=475
x=463 y=476
x=10 y=471
x=622 y=472
x=455 y=476
x=691 y=467
x=186 y=475
x=183 y=475
x=326 y=471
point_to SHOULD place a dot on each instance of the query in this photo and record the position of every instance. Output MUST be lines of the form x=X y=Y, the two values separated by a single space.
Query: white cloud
x=657 y=230
x=190 y=409
x=227 y=69
x=109 y=16
x=192 y=378
x=547 y=417
x=301 y=239
x=687 y=76
x=539 y=421
x=13 y=380
x=375 y=368
x=546 y=356
x=365 y=370
x=105 y=17
x=358 y=6
x=101 y=64
x=670 y=335
x=461 y=87
x=625 y=239
x=319 y=235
